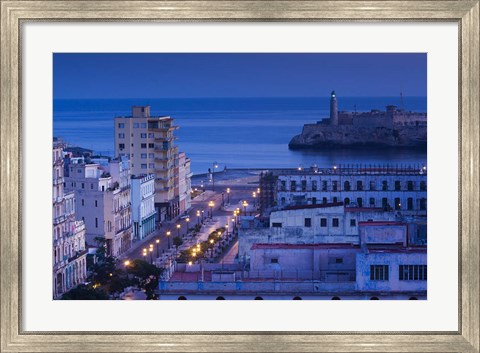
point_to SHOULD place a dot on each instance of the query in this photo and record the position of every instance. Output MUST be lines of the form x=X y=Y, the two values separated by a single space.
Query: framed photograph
x=259 y=169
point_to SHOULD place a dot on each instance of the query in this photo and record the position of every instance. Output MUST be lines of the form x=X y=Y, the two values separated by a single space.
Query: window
x=96 y=222
x=324 y=200
x=423 y=186
x=308 y=222
x=339 y=260
x=397 y=185
x=151 y=165
x=274 y=260
x=143 y=125
x=323 y=222
x=151 y=135
x=143 y=166
x=359 y=185
x=121 y=136
x=121 y=125
x=91 y=186
x=151 y=155
x=83 y=185
x=384 y=203
x=293 y=185
x=359 y=202
x=143 y=136
x=314 y=185
x=398 y=205
x=121 y=146
x=353 y=223
x=410 y=204
x=372 y=201
x=346 y=201
x=314 y=200
x=304 y=185
x=135 y=125
x=96 y=203
x=410 y=185
x=378 y=272
x=412 y=272
x=276 y=224
x=346 y=186
x=335 y=222
x=151 y=145
x=283 y=185
x=324 y=185
x=373 y=186
x=143 y=145
x=335 y=200
x=423 y=204
x=143 y=156
x=384 y=185
x=83 y=202
x=335 y=185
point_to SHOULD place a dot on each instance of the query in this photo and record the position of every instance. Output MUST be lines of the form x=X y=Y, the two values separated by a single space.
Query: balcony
x=58 y=181
x=77 y=255
x=58 y=220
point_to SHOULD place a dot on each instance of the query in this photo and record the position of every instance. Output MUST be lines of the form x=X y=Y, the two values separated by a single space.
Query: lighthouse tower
x=333 y=109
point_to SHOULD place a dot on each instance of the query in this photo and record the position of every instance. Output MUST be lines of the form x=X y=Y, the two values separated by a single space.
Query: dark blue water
x=235 y=132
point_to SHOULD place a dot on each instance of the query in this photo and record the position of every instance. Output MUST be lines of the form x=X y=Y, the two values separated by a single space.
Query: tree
x=145 y=276
x=177 y=241
x=83 y=292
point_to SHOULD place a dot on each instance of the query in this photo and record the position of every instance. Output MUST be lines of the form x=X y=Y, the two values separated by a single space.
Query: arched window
x=346 y=186
x=258 y=298
x=413 y=298
x=373 y=298
x=220 y=298
x=336 y=298
x=297 y=298
x=346 y=201
x=182 y=298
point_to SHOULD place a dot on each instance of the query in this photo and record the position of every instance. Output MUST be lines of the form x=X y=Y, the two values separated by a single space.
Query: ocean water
x=234 y=132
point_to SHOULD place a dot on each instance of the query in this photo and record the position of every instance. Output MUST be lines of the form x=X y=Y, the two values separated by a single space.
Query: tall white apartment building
x=143 y=205
x=103 y=203
x=149 y=143
x=69 y=251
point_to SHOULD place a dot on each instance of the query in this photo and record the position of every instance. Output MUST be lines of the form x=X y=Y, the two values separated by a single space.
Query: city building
x=103 y=203
x=69 y=250
x=149 y=143
x=383 y=265
x=399 y=188
x=143 y=205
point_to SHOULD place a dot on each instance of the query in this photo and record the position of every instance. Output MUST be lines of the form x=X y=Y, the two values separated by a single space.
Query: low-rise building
x=69 y=250
x=143 y=205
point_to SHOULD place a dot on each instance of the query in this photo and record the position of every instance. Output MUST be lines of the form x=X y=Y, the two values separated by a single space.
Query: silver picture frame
x=16 y=13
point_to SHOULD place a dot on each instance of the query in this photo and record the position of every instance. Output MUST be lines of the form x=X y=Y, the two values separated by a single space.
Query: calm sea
x=234 y=132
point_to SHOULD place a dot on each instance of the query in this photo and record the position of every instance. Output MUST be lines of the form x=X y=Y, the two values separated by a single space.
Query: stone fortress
x=390 y=128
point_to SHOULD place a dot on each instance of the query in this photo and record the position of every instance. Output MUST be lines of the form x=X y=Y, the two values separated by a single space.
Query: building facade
x=103 y=203
x=148 y=141
x=402 y=189
x=69 y=251
x=143 y=206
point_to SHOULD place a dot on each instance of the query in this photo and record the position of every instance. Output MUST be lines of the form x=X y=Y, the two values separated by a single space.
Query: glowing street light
x=168 y=237
x=211 y=204
x=158 y=243
x=187 y=220
x=178 y=229
x=228 y=196
x=198 y=217
x=245 y=204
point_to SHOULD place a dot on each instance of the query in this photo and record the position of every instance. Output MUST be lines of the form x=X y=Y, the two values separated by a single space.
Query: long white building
x=143 y=205
x=69 y=250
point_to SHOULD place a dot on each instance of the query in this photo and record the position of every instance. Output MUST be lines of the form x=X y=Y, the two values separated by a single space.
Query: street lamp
x=151 y=254
x=145 y=254
x=211 y=204
x=223 y=199
x=126 y=263
x=215 y=165
x=168 y=237
x=198 y=217
x=228 y=196
x=226 y=227
x=254 y=194
x=245 y=204
x=234 y=225
x=203 y=215
x=187 y=220
x=158 y=243
x=178 y=230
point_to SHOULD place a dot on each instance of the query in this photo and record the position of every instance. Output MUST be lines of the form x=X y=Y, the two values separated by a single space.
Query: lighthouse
x=333 y=109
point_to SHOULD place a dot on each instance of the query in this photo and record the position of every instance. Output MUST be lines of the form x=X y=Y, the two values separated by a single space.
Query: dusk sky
x=81 y=76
